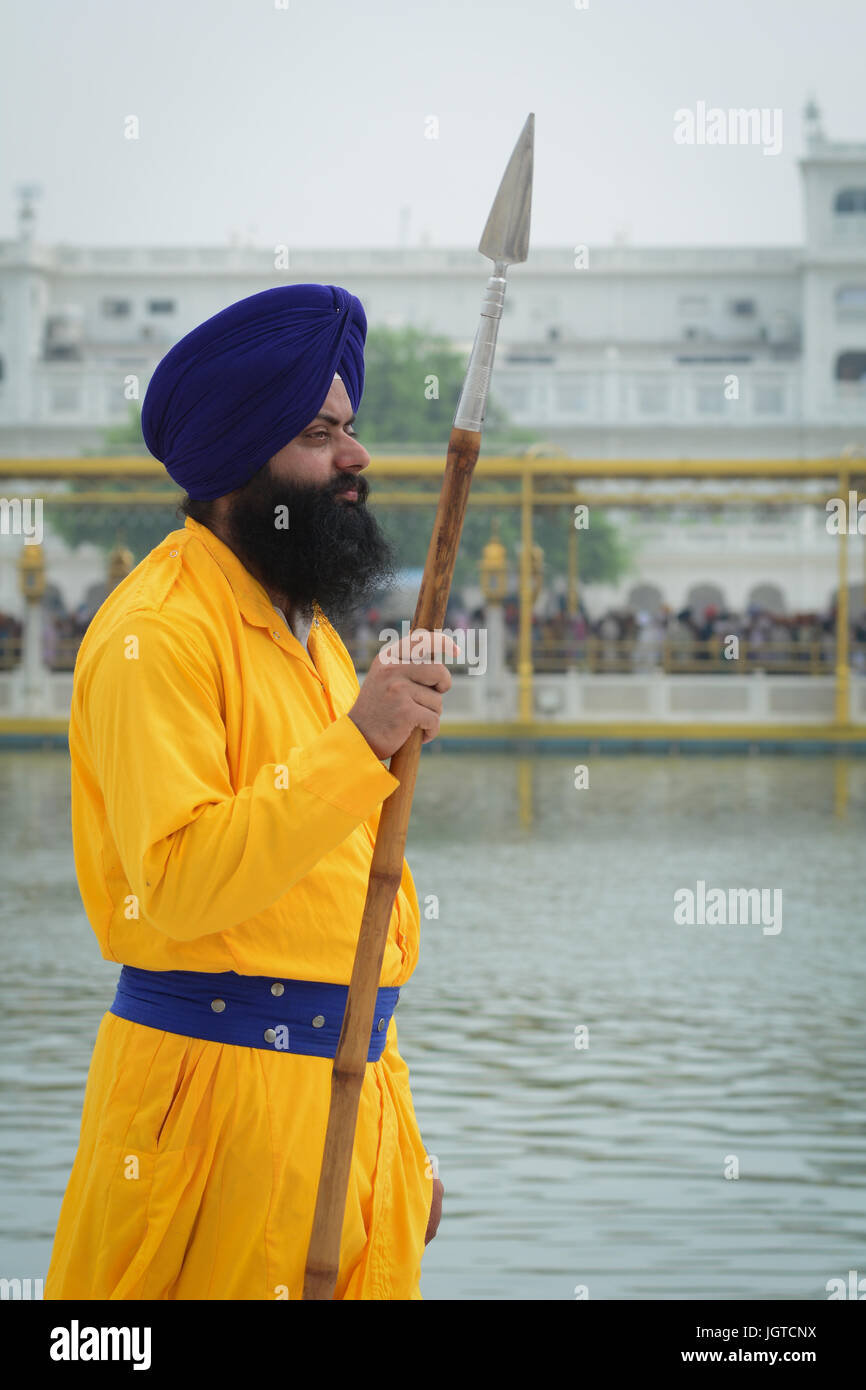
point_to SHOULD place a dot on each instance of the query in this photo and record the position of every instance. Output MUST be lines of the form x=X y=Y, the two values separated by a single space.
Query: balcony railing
x=59 y=656
x=594 y=655
x=598 y=656
x=10 y=650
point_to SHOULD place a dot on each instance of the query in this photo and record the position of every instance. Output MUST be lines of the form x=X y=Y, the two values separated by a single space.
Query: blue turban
x=236 y=389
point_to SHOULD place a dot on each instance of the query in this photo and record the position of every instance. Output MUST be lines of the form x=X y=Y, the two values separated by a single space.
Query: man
x=227 y=782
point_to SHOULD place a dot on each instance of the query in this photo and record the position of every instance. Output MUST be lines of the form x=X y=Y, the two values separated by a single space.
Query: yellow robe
x=224 y=813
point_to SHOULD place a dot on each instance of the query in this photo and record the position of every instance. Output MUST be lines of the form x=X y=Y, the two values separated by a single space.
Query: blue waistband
x=296 y=1016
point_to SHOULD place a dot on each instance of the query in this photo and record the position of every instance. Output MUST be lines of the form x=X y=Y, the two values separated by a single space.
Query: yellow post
x=524 y=656
x=843 y=672
x=840 y=787
x=572 y=568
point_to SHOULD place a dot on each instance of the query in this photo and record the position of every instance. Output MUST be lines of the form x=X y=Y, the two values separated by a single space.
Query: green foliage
x=126 y=438
x=404 y=407
x=106 y=524
x=395 y=415
x=601 y=555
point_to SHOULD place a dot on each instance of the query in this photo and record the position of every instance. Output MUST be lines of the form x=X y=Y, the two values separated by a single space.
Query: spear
x=505 y=240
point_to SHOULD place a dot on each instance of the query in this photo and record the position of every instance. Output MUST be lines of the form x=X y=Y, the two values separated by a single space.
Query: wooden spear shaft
x=385 y=873
x=505 y=240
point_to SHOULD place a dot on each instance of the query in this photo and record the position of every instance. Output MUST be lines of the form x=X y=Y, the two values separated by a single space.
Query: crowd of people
x=623 y=639
x=10 y=641
x=62 y=632
x=620 y=639
x=690 y=639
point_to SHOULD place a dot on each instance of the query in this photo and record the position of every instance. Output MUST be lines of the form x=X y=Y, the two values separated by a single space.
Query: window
x=160 y=306
x=851 y=200
x=64 y=399
x=516 y=393
x=530 y=357
x=653 y=397
x=116 y=403
x=693 y=306
x=851 y=366
x=571 y=395
x=768 y=398
x=743 y=308
x=710 y=400
x=116 y=308
x=63 y=334
x=851 y=301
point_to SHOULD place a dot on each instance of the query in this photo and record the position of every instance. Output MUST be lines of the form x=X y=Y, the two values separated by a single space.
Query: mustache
x=357 y=484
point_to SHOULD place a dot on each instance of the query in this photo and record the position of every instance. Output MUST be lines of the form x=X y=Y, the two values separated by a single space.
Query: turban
x=236 y=389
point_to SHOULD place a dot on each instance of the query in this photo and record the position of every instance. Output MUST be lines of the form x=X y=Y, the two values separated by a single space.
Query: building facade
x=616 y=352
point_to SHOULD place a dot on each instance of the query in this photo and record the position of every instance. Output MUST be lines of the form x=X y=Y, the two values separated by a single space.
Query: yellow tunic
x=224 y=813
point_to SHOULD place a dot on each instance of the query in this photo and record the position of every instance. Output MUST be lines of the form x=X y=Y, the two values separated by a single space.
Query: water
x=601 y=1167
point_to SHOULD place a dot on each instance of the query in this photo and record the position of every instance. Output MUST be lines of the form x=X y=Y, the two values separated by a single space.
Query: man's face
x=332 y=550
x=326 y=452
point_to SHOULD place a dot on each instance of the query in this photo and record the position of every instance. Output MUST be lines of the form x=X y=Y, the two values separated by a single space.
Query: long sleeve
x=200 y=855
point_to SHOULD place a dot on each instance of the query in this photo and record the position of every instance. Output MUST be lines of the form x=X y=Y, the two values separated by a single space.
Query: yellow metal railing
x=529 y=482
x=599 y=655
x=595 y=655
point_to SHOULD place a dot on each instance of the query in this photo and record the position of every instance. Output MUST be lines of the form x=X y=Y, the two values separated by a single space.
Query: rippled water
x=601 y=1166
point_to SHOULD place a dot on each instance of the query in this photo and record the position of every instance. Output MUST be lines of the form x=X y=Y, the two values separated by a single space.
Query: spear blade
x=506 y=236
x=505 y=240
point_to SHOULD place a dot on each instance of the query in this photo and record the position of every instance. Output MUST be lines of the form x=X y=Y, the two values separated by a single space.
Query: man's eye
x=319 y=434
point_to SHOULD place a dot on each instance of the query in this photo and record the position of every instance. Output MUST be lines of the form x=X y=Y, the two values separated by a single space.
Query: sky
x=308 y=123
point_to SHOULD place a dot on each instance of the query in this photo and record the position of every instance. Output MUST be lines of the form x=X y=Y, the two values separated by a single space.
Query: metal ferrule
x=473 y=397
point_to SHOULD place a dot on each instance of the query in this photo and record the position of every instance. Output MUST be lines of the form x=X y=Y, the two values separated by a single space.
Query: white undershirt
x=299 y=622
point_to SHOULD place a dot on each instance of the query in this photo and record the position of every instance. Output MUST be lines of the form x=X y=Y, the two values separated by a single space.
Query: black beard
x=329 y=551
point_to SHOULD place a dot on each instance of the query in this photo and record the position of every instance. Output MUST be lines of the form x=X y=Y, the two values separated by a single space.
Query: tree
x=412 y=385
x=140 y=527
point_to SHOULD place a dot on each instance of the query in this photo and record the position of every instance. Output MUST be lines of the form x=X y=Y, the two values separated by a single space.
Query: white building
x=605 y=352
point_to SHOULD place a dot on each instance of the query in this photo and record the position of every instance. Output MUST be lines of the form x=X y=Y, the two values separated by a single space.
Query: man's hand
x=435 y=1210
x=402 y=690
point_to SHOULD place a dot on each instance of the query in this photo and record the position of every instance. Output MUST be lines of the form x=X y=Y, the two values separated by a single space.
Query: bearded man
x=227 y=782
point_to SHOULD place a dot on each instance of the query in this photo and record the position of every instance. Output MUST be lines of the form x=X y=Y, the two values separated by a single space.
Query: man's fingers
x=423 y=697
x=430 y=674
x=419 y=647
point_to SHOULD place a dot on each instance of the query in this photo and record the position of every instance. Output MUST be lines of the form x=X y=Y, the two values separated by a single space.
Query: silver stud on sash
x=380 y=1025
x=217 y=1005
x=319 y=1021
x=278 y=989
x=270 y=1035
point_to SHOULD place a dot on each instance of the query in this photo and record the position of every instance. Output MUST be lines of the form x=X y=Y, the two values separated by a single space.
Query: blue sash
x=295 y=1016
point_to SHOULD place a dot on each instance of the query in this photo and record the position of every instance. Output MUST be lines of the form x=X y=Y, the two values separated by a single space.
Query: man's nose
x=352 y=454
